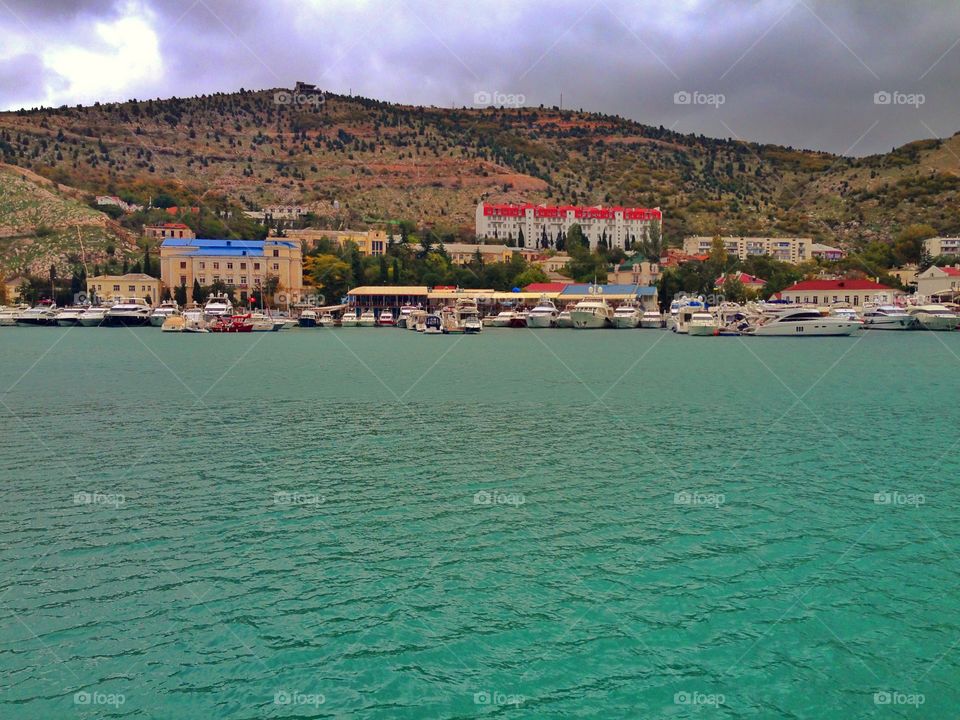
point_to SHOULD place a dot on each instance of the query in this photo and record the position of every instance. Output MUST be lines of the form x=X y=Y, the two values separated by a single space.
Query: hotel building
x=942 y=246
x=242 y=264
x=785 y=249
x=617 y=224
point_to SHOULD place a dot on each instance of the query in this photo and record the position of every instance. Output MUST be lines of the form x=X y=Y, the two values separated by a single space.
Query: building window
x=243 y=279
x=230 y=280
x=131 y=288
x=203 y=265
x=229 y=266
x=116 y=288
x=183 y=279
x=256 y=266
x=276 y=253
x=183 y=265
x=243 y=266
x=856 y=299
x=216 y=266
x=276 y=266
x=203 y=280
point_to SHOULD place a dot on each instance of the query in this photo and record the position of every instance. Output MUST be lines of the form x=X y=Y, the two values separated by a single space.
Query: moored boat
x=801 y=322
x=544 y=314
x=702 y=323
x=626 y=316
x=42 y=314
x=433 y=324
x=127 y=312
x=651 y=319
x=164 y=310
x=367 y=319
x=385 y=318
x=308 y=318
x=888 y=317
x=70 y=316
x=934 y=317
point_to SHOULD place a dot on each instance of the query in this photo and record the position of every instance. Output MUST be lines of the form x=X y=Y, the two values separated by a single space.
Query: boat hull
x=651 y=324
x=889 y=323
x=125 y=321
x=307 y=322
x=931 y=322
x=516 y=322
x=805 y=329
x=702 y=330
x=590 y=321
x=68 y=322
x=541 y=321
x=36 y=322
x=625 y=323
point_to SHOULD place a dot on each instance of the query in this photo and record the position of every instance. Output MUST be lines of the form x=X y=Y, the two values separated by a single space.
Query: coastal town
x=295 y=277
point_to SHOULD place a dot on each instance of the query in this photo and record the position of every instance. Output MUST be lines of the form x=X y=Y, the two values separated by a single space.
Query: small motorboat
x=433 y=324
x=385 y=319
x=232 y=324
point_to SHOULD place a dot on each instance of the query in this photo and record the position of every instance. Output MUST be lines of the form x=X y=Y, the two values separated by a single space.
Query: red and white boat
x=385 y=319
x=232 y=324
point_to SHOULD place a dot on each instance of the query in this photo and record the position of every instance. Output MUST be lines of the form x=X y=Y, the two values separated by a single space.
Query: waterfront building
x=636 y=270
x=827 y=292
x=935 y=280
x=388 y=296
x=242 y=264
x=168 y=230
x=539 y=226
x=139 y=285
x=646 y=297
x=937 y=246
x=785 y=249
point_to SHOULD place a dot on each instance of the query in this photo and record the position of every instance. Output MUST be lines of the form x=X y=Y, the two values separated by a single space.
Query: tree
x=197 y=294
x=330 y=274
x=520 y=240
x=652 y=245
x=270 y=287
x=356 y=266
x=908 y=245
x=180 y=294
x=575 y=238
x=533 y=274
x=146 y=259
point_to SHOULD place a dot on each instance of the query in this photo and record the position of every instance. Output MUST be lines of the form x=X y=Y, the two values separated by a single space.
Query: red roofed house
x=168 y=230
x=825 y=292
x=749 y=281
x=935 y=280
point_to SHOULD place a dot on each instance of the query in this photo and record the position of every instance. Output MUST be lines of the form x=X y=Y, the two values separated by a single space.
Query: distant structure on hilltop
x=540 y=226
x=785 y=249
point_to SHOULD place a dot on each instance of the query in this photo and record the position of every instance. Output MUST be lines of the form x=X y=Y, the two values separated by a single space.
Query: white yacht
x=403 y=316
x=433 y=324
x=385 y=318
x=39 y=315
x=626 y=316
x=702 y=323
x=264 y=323
x=544 y=315
x=651 y=319
x=563 y=317
x=934 y=317
x=801 y=322
x=685 y=310
x=367 y=319
x=217 y=306
x=9 y=315
x=326 y=320
x=194 y=320
x=417 y=320
x=504 y=318
x=350 y=319
x=163 y=311
x=70 y=316
x=93 y=316
x=127 y=312
x=468 y=316
x=592 y=312
x=888 y=317
x=848 y=313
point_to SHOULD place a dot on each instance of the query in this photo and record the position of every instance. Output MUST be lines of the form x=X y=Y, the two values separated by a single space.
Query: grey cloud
x=795 y=73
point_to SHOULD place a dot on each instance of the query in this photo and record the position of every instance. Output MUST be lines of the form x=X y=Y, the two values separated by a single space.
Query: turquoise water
x=288 y=525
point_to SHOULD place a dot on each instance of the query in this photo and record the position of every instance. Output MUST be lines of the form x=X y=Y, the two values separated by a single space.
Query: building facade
x=785 y=249
x=465 y=253
x=168 y=230
x=131 y=285
x=942 y=246
x=935 y=280
x=850 y=292
x=539 y=226
x=636 y=270
x=242 y=264
x=368 y=242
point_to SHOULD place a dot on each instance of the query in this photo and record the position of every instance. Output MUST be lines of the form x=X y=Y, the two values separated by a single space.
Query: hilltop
x=353 y=161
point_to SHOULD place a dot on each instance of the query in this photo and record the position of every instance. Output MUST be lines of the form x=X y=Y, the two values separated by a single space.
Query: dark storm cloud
x=797 y=72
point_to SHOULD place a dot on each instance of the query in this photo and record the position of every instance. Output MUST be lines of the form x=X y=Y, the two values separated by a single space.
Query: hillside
x=354 y=160
x=42 y=224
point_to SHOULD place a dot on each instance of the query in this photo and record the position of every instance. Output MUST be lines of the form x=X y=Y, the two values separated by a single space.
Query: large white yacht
x=888 y=317
x=367 y=319
x=403 y=316
x=9 y=315
x=682 y=312
x=651 y=319
x=702 y=323
x=70 y=316
x=93 y=316
x=127 y=312
x=504 y=318
x=627 y=315
x=544 y=315
x=350 y=319
x=563 y=319
x=468 y=316
x=218 y=306
x=39 y=315
x=592 y=312
x=802 y=322
x=164 y=310
x=934 y=317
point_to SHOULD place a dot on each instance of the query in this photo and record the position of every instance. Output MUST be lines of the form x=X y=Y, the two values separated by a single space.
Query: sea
x=373 y=523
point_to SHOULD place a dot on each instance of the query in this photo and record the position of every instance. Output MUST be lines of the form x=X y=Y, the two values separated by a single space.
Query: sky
x=853 y=77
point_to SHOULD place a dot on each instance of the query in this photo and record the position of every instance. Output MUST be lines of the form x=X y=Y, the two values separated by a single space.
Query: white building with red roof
x=935 y=280
x=850 y=292
x=751 y=282
x=541 y=225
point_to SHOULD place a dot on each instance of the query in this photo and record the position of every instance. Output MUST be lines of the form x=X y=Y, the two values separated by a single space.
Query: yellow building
x=465 y=253
x=368 y=242
x=242 y=264
x=131 y=285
